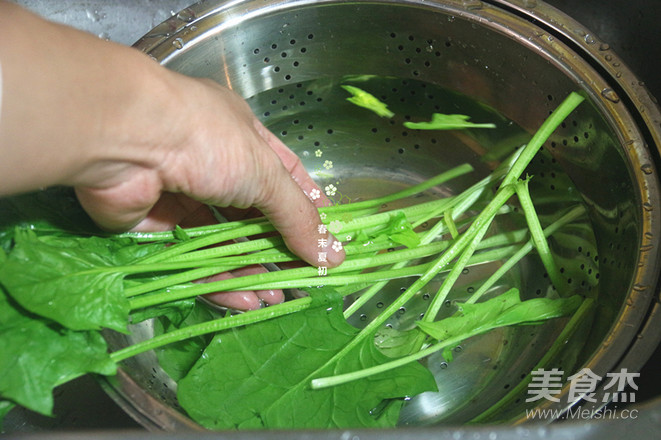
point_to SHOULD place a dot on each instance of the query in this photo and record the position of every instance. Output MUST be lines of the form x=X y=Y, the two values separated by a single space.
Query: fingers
x=243 y=299
x=287 y=204
x=287 y=207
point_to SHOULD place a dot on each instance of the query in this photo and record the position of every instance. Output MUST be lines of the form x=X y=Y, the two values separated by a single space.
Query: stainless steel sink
x=629 y=27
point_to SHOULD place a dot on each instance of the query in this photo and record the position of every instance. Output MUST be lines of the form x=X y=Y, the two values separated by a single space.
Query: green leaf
x=400 y=231
x=176 y=311
x=259 y=376
x=178 y=358
x=36 y=356
x=363 y=99
x=181 y=234
x=501 y=311
x=71 y=281
x=396 y=343
x=440 y=121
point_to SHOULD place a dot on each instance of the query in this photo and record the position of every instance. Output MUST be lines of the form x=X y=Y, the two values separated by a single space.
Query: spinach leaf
x=396 y=343
x=441 y=121
x=175 y=312
x=71 y=281
x=178 y=358
x=400 y=231
x=501 y=311
x=36 y=356
x=258 y=376
x=366 y=100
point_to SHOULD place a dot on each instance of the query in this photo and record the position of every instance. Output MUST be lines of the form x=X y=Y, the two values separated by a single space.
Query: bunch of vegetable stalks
x=164 y=271
x=381 y=233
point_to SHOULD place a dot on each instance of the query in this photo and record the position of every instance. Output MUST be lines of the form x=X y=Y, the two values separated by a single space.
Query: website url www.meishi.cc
x=582 y=414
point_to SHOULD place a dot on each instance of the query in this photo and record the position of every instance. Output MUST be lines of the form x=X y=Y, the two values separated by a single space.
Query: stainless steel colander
x=512 y=61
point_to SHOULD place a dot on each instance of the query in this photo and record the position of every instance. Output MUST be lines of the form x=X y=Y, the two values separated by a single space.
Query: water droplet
x=604 y=46
x=104 y=36
x=610 y=95
x=178 y=43
x=589 y=39
x=646 y=248
x=529 y=3
x=473 y=5
x=379 y=305
x=425 y=296
x=401 y=310
x=186 y=15
x=95 y=15
x=451 y=18
x=647 y=206
x=363 y=317
x=609 y=57
x=639 y=287
x=647 y=168
x=443 y=365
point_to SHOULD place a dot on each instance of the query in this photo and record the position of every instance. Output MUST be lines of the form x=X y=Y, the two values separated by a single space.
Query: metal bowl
x=514 y=60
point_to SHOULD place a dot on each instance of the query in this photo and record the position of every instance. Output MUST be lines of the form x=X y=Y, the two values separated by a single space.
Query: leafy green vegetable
x=363 y=99
x=63 y=282
x=504 y=310
x=400 y=231
x=178 y=358
x=74 y=281
x=258 y=376
x=474 y=319
x=396 y=343
x=35 y=357
x=265 y=368
x=440 y=121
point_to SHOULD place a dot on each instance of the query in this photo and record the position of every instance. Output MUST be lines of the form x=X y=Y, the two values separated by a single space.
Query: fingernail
x=334 y=251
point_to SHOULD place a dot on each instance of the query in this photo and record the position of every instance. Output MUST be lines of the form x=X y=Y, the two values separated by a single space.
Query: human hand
x=146 y=148
x=214 y=152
